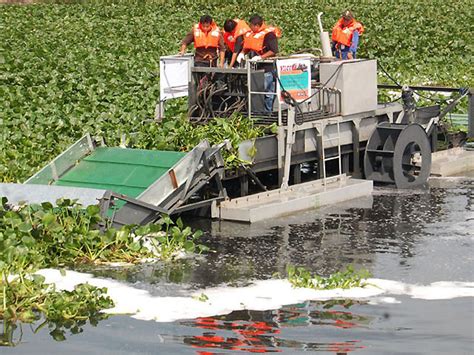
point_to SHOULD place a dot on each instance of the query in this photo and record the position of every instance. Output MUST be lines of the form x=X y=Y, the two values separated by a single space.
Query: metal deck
x=281 y=202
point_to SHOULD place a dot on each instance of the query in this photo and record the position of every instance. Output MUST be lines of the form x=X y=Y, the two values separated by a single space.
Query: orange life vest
x=230 y=37
x=254 y=41
x=206 y=40
x=343 y=34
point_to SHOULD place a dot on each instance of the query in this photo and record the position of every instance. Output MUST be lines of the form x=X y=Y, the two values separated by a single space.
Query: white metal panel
x=357 y=81
x=175 y=72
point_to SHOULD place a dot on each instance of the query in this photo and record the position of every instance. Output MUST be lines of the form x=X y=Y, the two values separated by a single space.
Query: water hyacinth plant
x=93 y=66
x=40 y=236
x=300 y=277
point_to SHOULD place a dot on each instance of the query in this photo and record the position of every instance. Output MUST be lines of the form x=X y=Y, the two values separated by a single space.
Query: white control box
x=357 y=81
x=175 y=74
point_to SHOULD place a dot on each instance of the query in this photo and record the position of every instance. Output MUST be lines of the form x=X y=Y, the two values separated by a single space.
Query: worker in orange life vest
x=261 y=43
x=208 y=43
x=345 y=36
x=234 y=32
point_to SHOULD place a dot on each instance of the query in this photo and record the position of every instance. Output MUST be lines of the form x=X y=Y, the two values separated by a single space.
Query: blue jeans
x=269 y=87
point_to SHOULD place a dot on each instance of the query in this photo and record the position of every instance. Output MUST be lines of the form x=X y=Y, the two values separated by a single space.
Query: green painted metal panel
x=126 y=190
x=126 y=171
x=153 y=158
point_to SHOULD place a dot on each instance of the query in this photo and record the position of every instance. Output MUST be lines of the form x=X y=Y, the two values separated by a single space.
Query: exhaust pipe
x=324 y=36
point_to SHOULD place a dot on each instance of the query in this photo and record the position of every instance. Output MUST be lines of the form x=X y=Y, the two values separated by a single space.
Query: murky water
x=415 y=237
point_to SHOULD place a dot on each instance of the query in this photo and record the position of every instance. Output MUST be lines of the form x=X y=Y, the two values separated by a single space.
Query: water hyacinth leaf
x=27 y=316
x=176 y=232
x=186 y=232
x=111 y=233
x=58 y=334
x=25 y=227
x=93 y=210
x=39 y=214
x=66 y=202
x=76 y=330
x=143 y=230
x=134 y=246
x=162 y=239
x=47 y=205
x=3 y=201
x=122 y=235
x=154 y=228
x=48 y=218
x=203 y=248
x=167 y=220
x=189 y=246
x=28 y=240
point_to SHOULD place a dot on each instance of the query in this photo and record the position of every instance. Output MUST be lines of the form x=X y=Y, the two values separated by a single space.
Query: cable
x=416 y=92
x=325 y=84
x=388 y=75
x=394 y=100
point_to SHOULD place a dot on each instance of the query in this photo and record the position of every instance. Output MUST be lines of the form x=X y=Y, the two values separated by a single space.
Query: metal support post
x=345 y=163
x=249 y=85
x=356 y=149
x=319 y=153
x=470 y=114
x=244 y=185
x=281 y=152
x=160 y=111
x=290 y=139
x=338 y=139
x=296 y=170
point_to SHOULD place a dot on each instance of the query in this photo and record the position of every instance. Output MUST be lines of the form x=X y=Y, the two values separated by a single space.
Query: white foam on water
x=380 y=300
x=261 y=295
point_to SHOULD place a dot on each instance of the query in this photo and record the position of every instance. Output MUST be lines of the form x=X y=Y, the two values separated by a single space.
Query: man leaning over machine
x=234 y=32
x=208 y=43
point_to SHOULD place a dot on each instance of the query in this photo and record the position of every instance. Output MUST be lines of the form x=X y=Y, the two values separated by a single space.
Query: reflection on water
x=9 y=336
x=261 y=331
x=323 y=241
x=12 y=331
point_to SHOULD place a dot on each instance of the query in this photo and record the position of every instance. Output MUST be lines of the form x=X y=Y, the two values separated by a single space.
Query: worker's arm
x=187 y=40
x=268 y=54
x=355 y=43
x=221 y=51
x=232 y=60
x=182 y=49
x=238 y=47
x=221 y=59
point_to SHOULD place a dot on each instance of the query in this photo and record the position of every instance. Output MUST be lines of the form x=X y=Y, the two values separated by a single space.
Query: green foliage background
x=93 y=66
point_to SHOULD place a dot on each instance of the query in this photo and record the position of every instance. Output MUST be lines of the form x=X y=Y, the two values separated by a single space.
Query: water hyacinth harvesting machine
x=332 y=140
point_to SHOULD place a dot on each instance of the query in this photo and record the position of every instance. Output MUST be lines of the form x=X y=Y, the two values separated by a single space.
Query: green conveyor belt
x=126 y=171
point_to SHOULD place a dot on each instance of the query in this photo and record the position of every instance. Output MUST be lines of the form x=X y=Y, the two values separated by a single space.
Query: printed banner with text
x=295 y=78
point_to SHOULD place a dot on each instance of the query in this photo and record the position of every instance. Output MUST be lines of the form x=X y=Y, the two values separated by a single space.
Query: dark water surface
x=416 y=237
